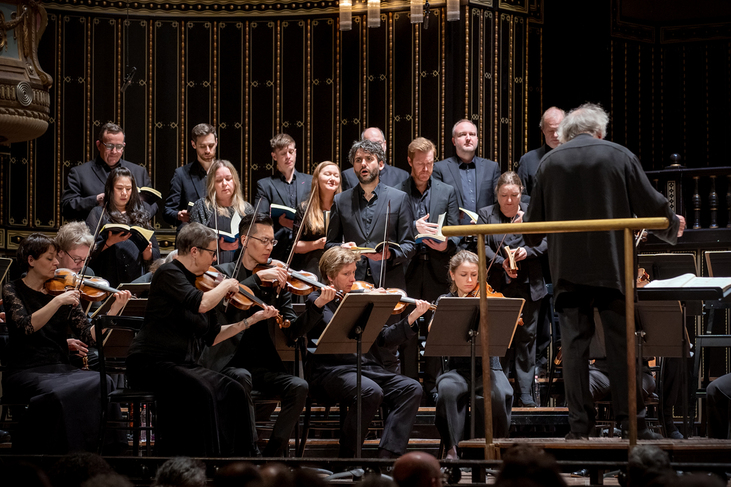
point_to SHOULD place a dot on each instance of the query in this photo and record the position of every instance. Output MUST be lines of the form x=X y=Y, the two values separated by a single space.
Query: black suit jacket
x=487 y=174
x=528 y=166
x=88 y=180
x=530 y=269
x=346 y=225
x=188 y=185
x=389 y=175
x=426 y=277
x=272 y=189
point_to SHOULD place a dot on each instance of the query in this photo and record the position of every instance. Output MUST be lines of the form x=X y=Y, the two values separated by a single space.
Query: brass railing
x=624 y=224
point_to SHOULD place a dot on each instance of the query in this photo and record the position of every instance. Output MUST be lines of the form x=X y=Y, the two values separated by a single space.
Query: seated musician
x=333 y=377
x=453 y=383
x=200 y=412
x=63 y=415
x=251 y=358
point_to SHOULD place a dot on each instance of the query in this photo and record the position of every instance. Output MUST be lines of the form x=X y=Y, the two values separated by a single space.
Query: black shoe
x=675 y=435
x=643 y=434
x=576 y=436
x=527 y=401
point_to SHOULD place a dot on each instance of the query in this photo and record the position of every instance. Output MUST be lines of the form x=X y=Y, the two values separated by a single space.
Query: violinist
x=163 y=356
x=222 y=208
x=333 y=377
x=310 y=247
x=38 y=368
x=358 y=218
x=251 y=358
x=453 y=384
x=116 y=257
x=524 y=282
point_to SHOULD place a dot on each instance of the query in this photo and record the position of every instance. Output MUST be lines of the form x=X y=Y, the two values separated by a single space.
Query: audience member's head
x=240 y=474
x=375 y=480
x=647 y=465
x=276 y=474
x=305 y=477
x=525 y=465
x=76 y=468
x=108 y=480
x=695 y=480
x=181 y=472
x=417 y=469
x=13 y=472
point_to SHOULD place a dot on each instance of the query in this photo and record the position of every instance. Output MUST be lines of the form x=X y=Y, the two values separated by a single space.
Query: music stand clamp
x=357 y=322
x=455 y=326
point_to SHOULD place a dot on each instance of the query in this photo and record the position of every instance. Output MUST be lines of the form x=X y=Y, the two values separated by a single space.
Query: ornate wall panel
x=263 y=68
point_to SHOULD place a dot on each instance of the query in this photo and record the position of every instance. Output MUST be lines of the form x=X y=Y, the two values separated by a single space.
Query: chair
x=112 y=354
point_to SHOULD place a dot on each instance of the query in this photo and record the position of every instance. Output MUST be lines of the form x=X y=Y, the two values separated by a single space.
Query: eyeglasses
x=213 y=252
x=111 y=147
x=77 y=260
x=266 y=241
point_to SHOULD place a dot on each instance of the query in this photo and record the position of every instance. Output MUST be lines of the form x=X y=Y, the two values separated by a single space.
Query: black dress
x=122 y=262
x=310 y=261
x=64 y=411
x=200 y=412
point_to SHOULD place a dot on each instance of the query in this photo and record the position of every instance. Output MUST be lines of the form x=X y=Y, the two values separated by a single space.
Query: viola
x=300 y=283
x=404 y=300
x=91 y=288
x=491 y=293
x=243 y=299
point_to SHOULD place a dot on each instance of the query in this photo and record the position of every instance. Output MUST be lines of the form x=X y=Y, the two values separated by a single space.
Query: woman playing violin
x=311 y=245
x=39 y=371
x=525 y=281
x=164 y=355
x=222 y=208
x=252 y=358
x=116 y=258
x=453 y=383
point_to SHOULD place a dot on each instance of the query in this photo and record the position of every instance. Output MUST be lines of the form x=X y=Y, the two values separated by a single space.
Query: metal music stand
x=5 y=264
x=455 y=327
x=357 y=322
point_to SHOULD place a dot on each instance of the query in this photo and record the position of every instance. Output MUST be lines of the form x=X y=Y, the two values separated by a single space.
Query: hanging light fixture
x=417 y=12
x=374 y=13
x=452 y=10
x=346 y=14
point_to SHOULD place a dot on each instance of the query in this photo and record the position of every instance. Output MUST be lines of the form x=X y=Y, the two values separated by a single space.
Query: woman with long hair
x=63 y=415
x=118 y=256
x=222 y=208
x=325 y=185
x=453 y=382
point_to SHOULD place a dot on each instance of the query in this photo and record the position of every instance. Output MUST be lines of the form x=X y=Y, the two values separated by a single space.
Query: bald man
x=417 y=469
x=389 y=175
x=528 y=165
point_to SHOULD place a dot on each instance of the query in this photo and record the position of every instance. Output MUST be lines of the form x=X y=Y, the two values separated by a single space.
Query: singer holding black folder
x=117 y=256
x=333 y=377
x=453 y=386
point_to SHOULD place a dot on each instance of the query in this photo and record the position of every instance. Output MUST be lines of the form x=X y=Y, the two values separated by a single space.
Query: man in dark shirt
x=473 y=178
x=390 y=175
x=85 y=186
x=189 y=182
x=251 y=358
x=358 y=219
x=528 y=164
x=286 y=187
x=589 y=178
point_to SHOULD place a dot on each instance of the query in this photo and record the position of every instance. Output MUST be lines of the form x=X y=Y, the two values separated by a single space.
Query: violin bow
x=297 y=237
x=218 y=235
x=243 y=246
x=77 y=286
x=382 y=277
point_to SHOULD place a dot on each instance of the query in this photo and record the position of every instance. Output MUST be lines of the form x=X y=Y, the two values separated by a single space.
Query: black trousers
x=292 y=393
x=453 y=389
x=718 y=396
x=575 y=305
x=400 y=394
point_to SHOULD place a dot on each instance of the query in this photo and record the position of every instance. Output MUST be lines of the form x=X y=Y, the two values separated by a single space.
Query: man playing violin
x=333 y=377
x=251 y=358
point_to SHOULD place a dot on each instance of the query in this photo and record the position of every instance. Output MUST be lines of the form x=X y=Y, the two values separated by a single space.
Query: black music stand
x=357 y=322
x=5 y=264
x=455 y=327
x=718 y=262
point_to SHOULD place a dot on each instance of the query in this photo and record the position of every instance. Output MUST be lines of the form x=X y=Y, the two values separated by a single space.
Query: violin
x=404 y=300
x=91 y=288
x=300 y=283
x=243 y=299
x=491 y=293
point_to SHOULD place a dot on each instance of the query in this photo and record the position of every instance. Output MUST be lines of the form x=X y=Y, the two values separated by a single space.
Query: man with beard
x=389 y=175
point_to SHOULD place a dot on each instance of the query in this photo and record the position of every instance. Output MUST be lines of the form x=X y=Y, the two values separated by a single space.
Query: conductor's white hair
x=589 y=118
